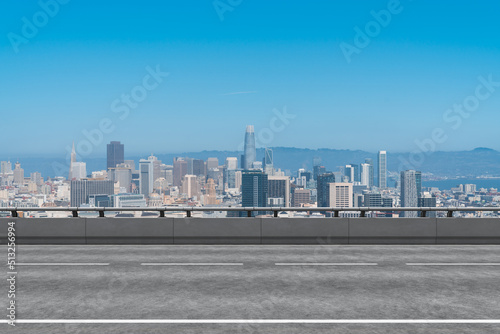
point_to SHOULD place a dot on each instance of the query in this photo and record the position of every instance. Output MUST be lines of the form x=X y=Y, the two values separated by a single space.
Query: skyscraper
x=411 y=185
x=146 y=177
x=115 y=154
x=250 y=152
x=370 y=175
x=365 y=174
x=180 y=169
x=78 y=170
x=323 y=186
x=18 y=174
x=231 y=163
x=254 y=189
x=382 y=169
x=6 y=167
x=72 y=161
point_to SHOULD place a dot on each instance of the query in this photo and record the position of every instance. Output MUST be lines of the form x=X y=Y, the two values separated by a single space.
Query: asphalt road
x=300 y=284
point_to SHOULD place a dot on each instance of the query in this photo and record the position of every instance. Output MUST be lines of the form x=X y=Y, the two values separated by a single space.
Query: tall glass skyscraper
x=250 y=153
x=115 y=154
x=382 y=169
x=411 y=187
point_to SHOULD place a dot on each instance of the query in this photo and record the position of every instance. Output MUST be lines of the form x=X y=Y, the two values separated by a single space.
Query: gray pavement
x=243 y=282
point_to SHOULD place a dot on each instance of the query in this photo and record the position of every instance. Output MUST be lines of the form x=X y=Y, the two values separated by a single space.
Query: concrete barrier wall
x=253 y=230
x=476 y=231
x=305 y=231
x=392 y=231
x=129 y=230
x=45 y=230
x=217 y=231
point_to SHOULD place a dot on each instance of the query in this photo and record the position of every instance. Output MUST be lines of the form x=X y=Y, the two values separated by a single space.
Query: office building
x=212 y=163
x=370 y=172
x=340 y=195
x=190 y=186
x=231 y=163
x=146 y=177
x=318 y=170
x=79 y=170
x=115 y=154
x=122 y=174
x=301 y=196
x=199 y=167
x=5 y=167
x=250 y=153
x=366 y=170
x=428 y=201
x=80 y=190
x=18 y=174
x=382 y=169
x=254 y=189
x=411 y=185
x=180 y=169
x=279 y=187
x=323 y=187
x=210 y=197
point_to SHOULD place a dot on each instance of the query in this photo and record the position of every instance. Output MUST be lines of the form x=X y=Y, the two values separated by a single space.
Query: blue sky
x=64 y=79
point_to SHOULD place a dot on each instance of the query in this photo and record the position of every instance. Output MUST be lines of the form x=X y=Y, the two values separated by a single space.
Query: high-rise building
x=254 y=189
x=231 y=163
x=191 y=186
x=382 y=169
x=323 y=186
x=115 y=154
x=122 y=174
x=18 y=174
x=369 y=161
x=250 y=151
x=318 y=170
x=411 y=185
x=5 y=167
x=279 y=187
x=350 y=173
x=36 y=178
x=210 y=197
x=212 y=163
x=180 y=169
x=79 y=170
x=340 y=195
x=199 y=167
x=72 y=161
x=429 y=201
x=365 y=174
x=301 y=196
x=80 y=190
x=146 y=177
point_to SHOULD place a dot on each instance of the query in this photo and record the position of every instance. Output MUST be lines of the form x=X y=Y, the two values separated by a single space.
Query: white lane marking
x=454 y=264
x=255 y=321
x=326 y=264
x=192 y=264
x=62 y=264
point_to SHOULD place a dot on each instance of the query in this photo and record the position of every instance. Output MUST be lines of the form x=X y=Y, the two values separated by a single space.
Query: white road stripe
x=192 y=264
x=326 y=264
x=62 y=264
x=453 y=264
x=256 y=321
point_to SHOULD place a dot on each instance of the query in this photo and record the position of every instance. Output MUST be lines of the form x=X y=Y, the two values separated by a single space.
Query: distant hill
x=480 y=161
